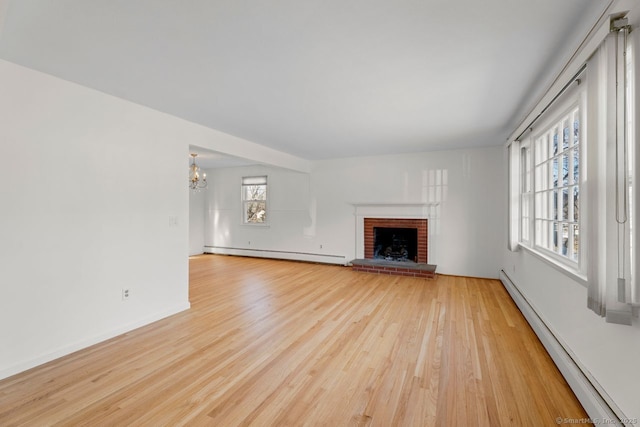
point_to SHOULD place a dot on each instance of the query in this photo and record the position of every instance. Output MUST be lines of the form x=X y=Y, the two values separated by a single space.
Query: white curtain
x=634 y=134
x=610 y=166
x=595 y=193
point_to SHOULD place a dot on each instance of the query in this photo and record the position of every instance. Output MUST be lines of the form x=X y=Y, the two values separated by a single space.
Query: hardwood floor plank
x=278 y=343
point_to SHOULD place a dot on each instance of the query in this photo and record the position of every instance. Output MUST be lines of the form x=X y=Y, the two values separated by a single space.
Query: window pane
x=525 y=167
x=576 y=203
x=545 y=175
x=255 y=212
x=255 y=192
x=254 y=180
x=576 y=242
x=538 y=180
x=541 y=149
x=545 y=211
x=538 y=231
x=546 y=232
x=546 y=205
x=542 y=176
x=557 y=186
x=576 y=165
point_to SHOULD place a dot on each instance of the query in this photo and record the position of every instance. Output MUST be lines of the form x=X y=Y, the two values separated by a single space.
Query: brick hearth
x=394 y=268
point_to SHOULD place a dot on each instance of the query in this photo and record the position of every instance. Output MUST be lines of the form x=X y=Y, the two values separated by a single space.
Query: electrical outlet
x=320 y=246
x=125 y=294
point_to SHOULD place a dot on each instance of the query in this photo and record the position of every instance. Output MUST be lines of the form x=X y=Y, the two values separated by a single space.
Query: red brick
x=420 y=224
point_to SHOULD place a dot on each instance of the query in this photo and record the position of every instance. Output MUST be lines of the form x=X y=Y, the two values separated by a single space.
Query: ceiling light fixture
x=195 y=182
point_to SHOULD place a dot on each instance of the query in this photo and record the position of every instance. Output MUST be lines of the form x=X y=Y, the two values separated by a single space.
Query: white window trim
x=527 y=165
x=579 y=277
x=513 y=200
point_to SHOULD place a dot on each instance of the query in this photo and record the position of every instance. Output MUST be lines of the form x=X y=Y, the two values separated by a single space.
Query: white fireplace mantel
x=388 y=210
x=394 y=210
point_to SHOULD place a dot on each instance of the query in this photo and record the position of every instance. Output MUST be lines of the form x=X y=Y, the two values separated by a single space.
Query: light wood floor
x=277 y=343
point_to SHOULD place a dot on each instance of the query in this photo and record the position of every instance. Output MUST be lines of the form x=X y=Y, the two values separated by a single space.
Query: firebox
x=395 y=244
x=413 y=242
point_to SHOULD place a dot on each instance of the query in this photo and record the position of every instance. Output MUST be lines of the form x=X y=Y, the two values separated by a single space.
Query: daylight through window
x=557 y=187
x=254 y=199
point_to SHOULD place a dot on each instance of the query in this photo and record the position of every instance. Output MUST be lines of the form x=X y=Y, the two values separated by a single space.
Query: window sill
x=564 y=269
x=245 y=224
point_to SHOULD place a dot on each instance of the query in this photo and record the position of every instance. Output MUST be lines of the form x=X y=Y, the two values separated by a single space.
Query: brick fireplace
x=398 y=223
x=416 y=264
x=396 y=217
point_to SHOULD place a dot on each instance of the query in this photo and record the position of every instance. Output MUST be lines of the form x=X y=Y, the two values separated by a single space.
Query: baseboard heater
x=597 y=404
x=288 y=255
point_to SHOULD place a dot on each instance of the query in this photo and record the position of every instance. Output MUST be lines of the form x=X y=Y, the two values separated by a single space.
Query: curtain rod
x=576 y=77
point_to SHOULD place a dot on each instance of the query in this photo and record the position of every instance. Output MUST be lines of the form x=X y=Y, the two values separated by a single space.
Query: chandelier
x=195 y=182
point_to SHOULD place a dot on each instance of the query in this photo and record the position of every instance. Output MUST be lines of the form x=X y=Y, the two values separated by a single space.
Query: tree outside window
x=254 y=199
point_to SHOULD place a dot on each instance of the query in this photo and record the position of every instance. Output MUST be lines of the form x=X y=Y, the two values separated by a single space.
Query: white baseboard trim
x=287 y=255
x=82 y=344
x=593 y=400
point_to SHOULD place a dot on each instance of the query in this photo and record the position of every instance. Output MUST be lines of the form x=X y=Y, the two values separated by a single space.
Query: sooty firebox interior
x=396 y=244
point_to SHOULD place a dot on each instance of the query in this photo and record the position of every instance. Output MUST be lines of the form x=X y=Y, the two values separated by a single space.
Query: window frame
x=254 y=180
x=526 y=194
x=573 y=99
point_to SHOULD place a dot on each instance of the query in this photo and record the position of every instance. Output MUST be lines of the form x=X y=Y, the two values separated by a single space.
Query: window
x=557 y=187
x=572 y=194
x=254 y=199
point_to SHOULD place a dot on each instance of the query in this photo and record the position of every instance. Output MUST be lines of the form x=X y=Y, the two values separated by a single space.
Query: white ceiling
x=314 y=78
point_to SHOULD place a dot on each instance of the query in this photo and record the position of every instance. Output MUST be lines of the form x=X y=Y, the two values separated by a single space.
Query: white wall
x=94 y=199
x=290 y=226
x=88 y=183
x=308 y=211
x=609 y=352
x=196 y=221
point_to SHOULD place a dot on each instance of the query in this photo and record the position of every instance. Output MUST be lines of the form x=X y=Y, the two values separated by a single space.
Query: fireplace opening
x=395 y=244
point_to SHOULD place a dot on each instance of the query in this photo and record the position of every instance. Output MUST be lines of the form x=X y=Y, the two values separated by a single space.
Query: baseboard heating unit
x=287 y=255
x=594 y=400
